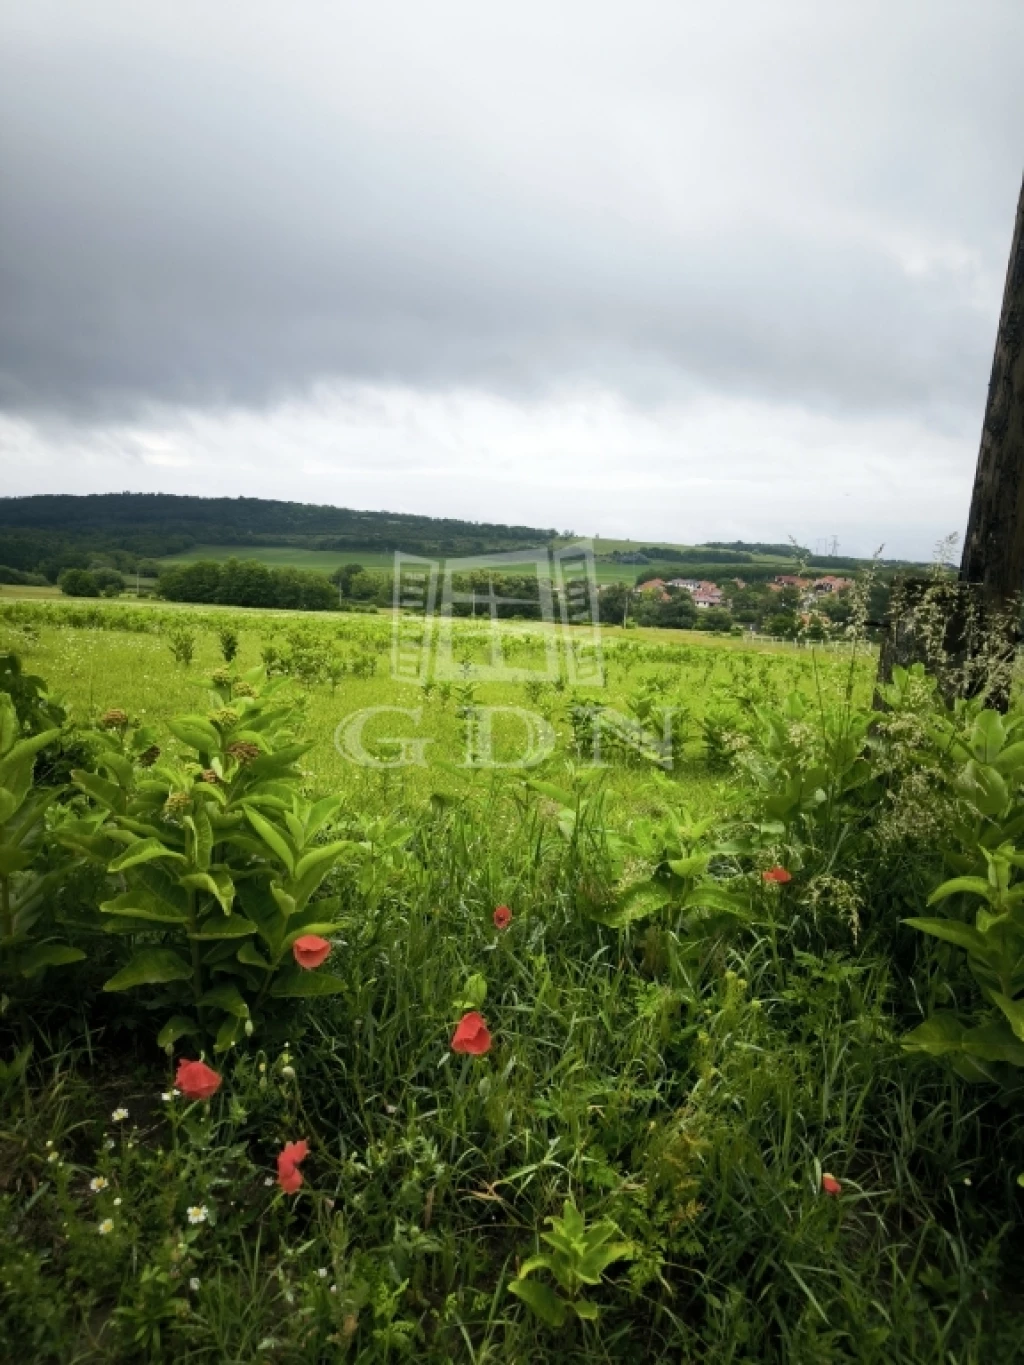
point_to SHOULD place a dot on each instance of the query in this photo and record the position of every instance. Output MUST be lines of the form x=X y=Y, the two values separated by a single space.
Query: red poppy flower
x=830 y=1184
x=289 y=1177
x=310 y=950
x=502 y=917
x=196 y=1080
x=472 y=1035
x=779 y=875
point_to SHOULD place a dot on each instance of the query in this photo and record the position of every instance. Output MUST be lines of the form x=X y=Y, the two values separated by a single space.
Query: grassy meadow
x=606 y=570
x=605 y=1061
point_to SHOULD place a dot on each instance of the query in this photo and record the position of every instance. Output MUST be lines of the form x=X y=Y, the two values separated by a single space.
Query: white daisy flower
x=197 y=1214
x=119 y=1115
x=106 y=1227
x=98 y=1183
x=193 y=1283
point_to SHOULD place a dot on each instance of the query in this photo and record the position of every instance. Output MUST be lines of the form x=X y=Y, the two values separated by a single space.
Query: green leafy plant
x=182 y=643
x=228 y=643
x=578 y=1258
x=684 y=862
x=217 y=859
x=27 y=943
x=994 y=944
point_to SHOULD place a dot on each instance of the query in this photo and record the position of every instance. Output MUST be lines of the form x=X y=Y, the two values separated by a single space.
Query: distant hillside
x=53 y=531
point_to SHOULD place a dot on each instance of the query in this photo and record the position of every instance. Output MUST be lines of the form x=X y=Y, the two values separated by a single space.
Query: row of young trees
x=247 y=583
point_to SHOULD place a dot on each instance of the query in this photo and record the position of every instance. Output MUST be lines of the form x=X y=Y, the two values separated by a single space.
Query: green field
x=600 y=1059
x=324 y=561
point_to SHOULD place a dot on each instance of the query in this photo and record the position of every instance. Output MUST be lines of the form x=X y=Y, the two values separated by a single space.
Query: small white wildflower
x=117 y=1202
x=98 y=1183
x=106 y=1227
x=49 y=1142
x=193 y=1283
x=967 y=1179
x=109 y=1144
x=322 y=1273
x=54 y=1156
x=269 y=1181
x=197 y=1214
x=334 y=1289
x=168 y=1095
x=119 y=1115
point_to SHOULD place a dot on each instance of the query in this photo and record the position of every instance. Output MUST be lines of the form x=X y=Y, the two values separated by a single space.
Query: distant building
x=708 y=595
x=790 y=580
x=832 y=584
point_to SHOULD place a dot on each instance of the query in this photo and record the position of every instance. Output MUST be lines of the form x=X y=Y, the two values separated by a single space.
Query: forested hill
x=37 y=533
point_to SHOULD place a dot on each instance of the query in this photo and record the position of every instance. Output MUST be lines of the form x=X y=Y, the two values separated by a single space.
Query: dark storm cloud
x=230 y=207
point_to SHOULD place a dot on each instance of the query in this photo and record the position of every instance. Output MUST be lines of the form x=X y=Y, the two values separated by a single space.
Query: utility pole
x=982 y=608
x=994 y=545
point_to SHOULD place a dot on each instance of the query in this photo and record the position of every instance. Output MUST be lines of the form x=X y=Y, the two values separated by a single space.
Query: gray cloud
x=226 y=205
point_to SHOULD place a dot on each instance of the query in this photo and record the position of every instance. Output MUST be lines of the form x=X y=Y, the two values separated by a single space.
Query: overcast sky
x=648 y=268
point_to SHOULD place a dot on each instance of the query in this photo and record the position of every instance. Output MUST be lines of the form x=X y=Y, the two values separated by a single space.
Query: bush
x=78 y=583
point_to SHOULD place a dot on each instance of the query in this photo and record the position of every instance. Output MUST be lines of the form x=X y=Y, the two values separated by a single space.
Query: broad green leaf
x=988 y=736
x=952 y=931
x=596 y=1261
x=226 y=997
x=151 y=967
x=196 y=732
x=8 y=723
x=272 y=837
x=285 y=902
x=228 y=1034
x=280 y=763
x=47 y=955
x=137 y=904
x=943 y=1034
x=296 y=984
x=639 y=901
x=24 y=751
x=474 y=992
x=143 y=851
x=711 y=895
x=325 y=856
x=228 y=926
x=202 y=832
x=9 y=803
x=587 y=1311
x=976 y=886
x=542 y=1299
x=179 y=1026
x=320 y=813
x=249 y=956
x=1012 y=757
x=1014 y=1011
x=108 y=794
x=689 y=867
x=217 y=882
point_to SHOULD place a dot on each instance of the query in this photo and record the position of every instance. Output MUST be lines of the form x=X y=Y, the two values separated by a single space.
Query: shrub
x=78 y=583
